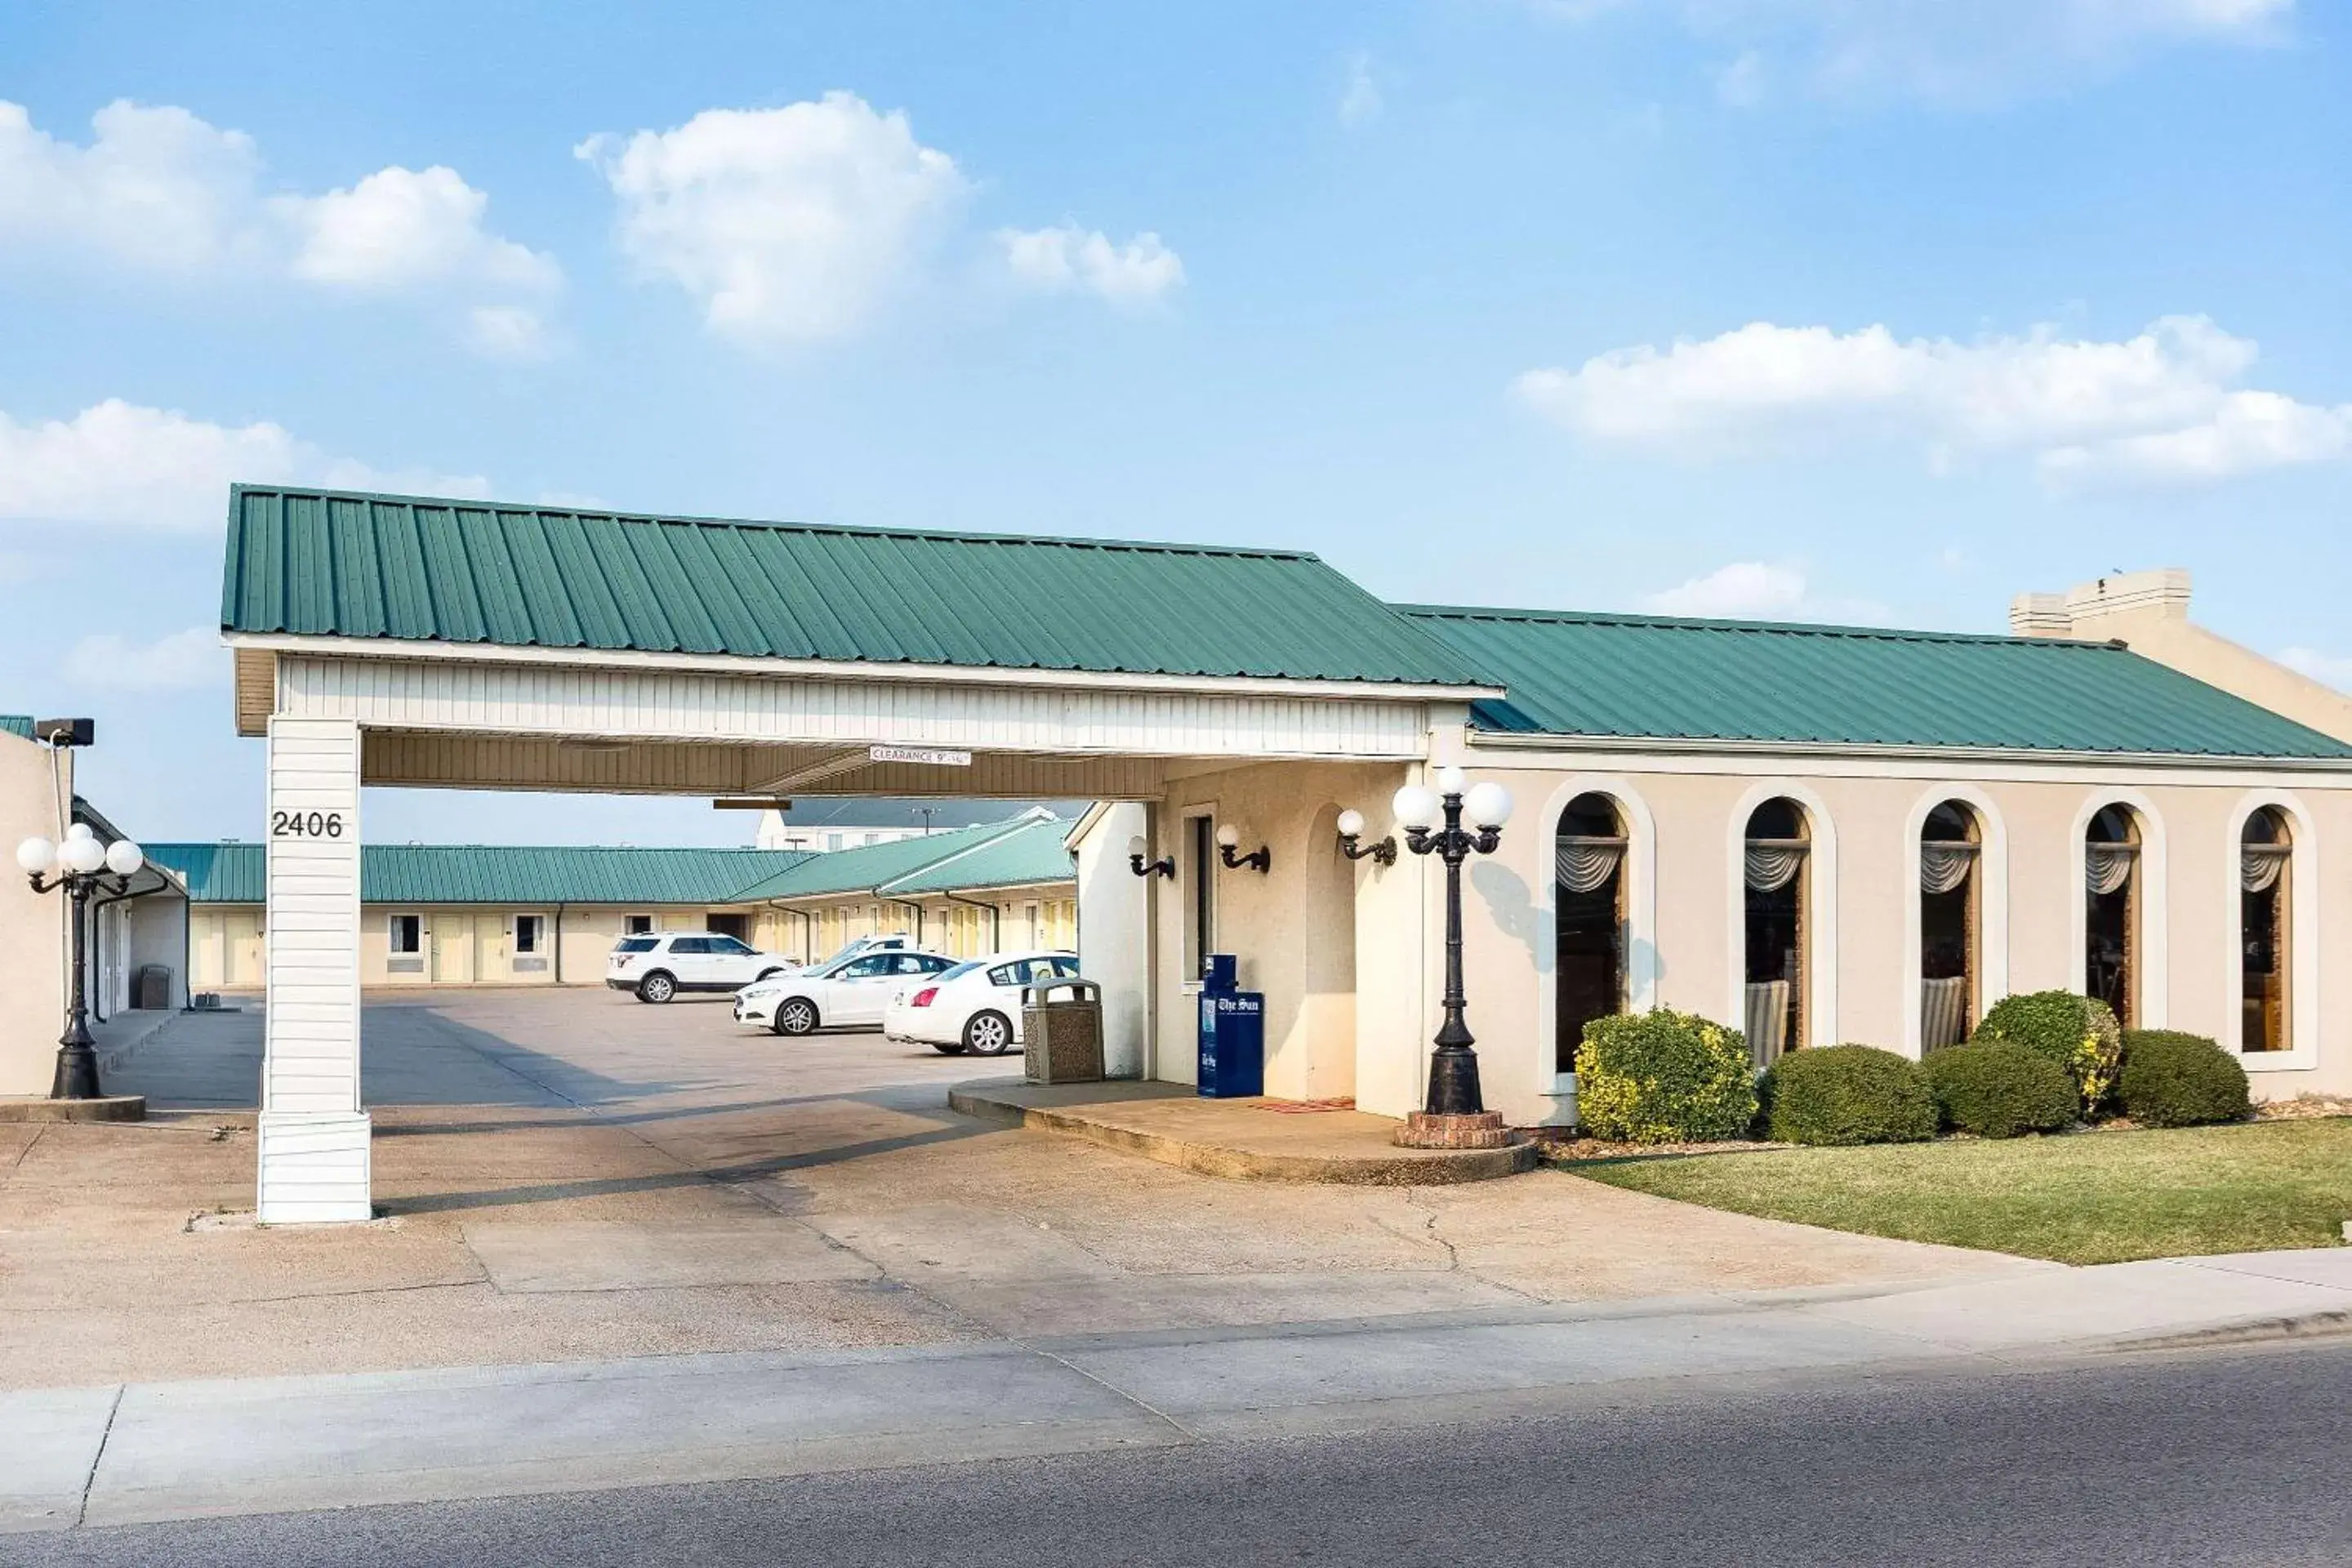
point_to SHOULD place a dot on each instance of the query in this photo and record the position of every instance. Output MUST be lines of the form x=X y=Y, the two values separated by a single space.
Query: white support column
x=314 y=1136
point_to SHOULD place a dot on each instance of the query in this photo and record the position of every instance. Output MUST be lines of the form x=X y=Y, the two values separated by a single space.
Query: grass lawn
x=2102 y=1197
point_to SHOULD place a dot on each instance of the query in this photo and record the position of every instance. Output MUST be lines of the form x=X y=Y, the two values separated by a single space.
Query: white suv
x=659 y=964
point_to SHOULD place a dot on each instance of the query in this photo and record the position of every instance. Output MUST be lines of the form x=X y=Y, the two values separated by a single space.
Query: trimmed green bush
x=1663 y=1077
x=2174 y=1079
x=1848 y=1094
x=1998 y=1089
x=2077 y=1033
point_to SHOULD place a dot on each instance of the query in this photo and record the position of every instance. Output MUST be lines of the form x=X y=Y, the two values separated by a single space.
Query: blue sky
x=1808 y=308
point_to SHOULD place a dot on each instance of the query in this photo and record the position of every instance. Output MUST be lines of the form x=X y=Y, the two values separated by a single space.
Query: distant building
x=823 y=826
x=451 y=914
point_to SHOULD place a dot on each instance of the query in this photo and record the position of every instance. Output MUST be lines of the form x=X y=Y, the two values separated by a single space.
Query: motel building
x=1816 y=834
x=454 y=914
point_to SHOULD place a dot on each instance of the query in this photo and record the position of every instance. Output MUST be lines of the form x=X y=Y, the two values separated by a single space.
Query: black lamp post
x=1432 y=820
x=81 y=866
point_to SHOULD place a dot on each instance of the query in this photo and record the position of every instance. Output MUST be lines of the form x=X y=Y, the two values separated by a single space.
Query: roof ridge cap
x=1719 y=623
x=239 y=488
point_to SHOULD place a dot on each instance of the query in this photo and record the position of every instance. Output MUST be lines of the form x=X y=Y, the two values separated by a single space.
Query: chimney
x=2039 y=615
x=2102 y=608
x=2163 y=593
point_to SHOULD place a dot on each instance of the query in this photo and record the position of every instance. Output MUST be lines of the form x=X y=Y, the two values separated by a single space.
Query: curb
x=2246 y=1331
x=1427 y=1168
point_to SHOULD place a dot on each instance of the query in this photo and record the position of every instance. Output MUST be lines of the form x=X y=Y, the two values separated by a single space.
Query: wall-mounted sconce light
x=1351 y=828
x=1229 y=837
x=1135 y=851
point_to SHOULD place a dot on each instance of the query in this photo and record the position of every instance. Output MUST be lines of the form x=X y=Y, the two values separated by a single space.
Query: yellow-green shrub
x=1663 y=1077
x=2078 y=1033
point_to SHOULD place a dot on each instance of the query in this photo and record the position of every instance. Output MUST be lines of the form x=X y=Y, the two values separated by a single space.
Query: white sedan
x=976 y=1006
x=849 y=991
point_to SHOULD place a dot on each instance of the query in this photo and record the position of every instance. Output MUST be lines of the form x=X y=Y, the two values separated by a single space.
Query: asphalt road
x=2220 y=1458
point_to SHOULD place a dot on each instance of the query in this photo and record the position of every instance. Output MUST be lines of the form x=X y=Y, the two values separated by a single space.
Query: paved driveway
x=573 y=1174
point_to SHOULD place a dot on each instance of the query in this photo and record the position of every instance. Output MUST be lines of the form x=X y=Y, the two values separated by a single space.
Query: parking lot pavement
x=573 y=1175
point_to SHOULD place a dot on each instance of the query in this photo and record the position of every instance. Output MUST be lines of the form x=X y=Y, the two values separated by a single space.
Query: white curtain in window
x=1944 y=864
x=2107 y=867
x=2260 y=866
x=1943 y=1012
x=1585 y=865
x=1771 y=867
x=1768 y=1021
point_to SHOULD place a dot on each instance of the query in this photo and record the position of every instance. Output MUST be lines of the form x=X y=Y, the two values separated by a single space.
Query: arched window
x=1951 y=843
x=2111 y=900
x=2265 y=875
x=1778 y=873
x=1589 y=901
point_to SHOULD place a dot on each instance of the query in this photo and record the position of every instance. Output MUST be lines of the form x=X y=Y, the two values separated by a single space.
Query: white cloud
x=508 y=331
x=183 y=660
x=1359 y=101
x=158 y=190
x=119 y=464
x=2155 y=407
x=2250 y=431
x=1742 y=588
x=786 y=225
x=801 y=224
x=1067 y=257
x=399 y=228
x=1973 y=53
x=2322 y=667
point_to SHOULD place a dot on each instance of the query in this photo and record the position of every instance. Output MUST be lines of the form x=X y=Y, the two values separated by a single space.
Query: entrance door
x=241 y=947
x=453 y=949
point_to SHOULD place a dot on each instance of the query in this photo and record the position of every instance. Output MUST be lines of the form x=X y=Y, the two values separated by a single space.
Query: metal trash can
x=154 y=989
x=1062 y=1041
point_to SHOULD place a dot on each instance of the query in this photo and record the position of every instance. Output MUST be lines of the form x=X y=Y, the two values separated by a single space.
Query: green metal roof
x=481 y=874
x=1664 y=678
x=17 y=724
x=335 y=563
x=1029 y=855
x=869 y=867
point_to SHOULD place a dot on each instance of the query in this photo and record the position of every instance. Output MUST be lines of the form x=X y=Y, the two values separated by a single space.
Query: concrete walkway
x=122 y=1454
x=1249 y=1140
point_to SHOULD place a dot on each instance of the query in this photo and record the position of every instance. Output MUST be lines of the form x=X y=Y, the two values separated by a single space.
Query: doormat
x=1307 y=1106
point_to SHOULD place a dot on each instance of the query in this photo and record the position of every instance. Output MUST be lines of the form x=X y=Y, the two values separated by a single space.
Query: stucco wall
x=1282 y=926
x=32 y=926
x=2188 y=971
x=1115 y=936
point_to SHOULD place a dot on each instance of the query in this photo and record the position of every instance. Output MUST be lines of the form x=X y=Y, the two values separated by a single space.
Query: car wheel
x=656 y=987
x=988 y=1033
x=770 y=974
x=796 y=1016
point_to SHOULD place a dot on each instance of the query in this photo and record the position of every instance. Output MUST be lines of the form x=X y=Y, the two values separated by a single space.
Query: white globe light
x=1135 y=847
x=36 y=854
x=82 y=853
x=1450 y=780
x=1229 y=835
x=1417 y=807
x=80 y=831
x=1487 y=805
x=1351 y=824
x=124 y=857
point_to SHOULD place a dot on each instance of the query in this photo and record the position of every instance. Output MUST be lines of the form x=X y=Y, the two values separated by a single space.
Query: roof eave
x=334 y=647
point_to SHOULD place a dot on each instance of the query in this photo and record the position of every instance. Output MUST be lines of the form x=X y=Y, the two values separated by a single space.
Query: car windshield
x=961 y=970
x=636 y=944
